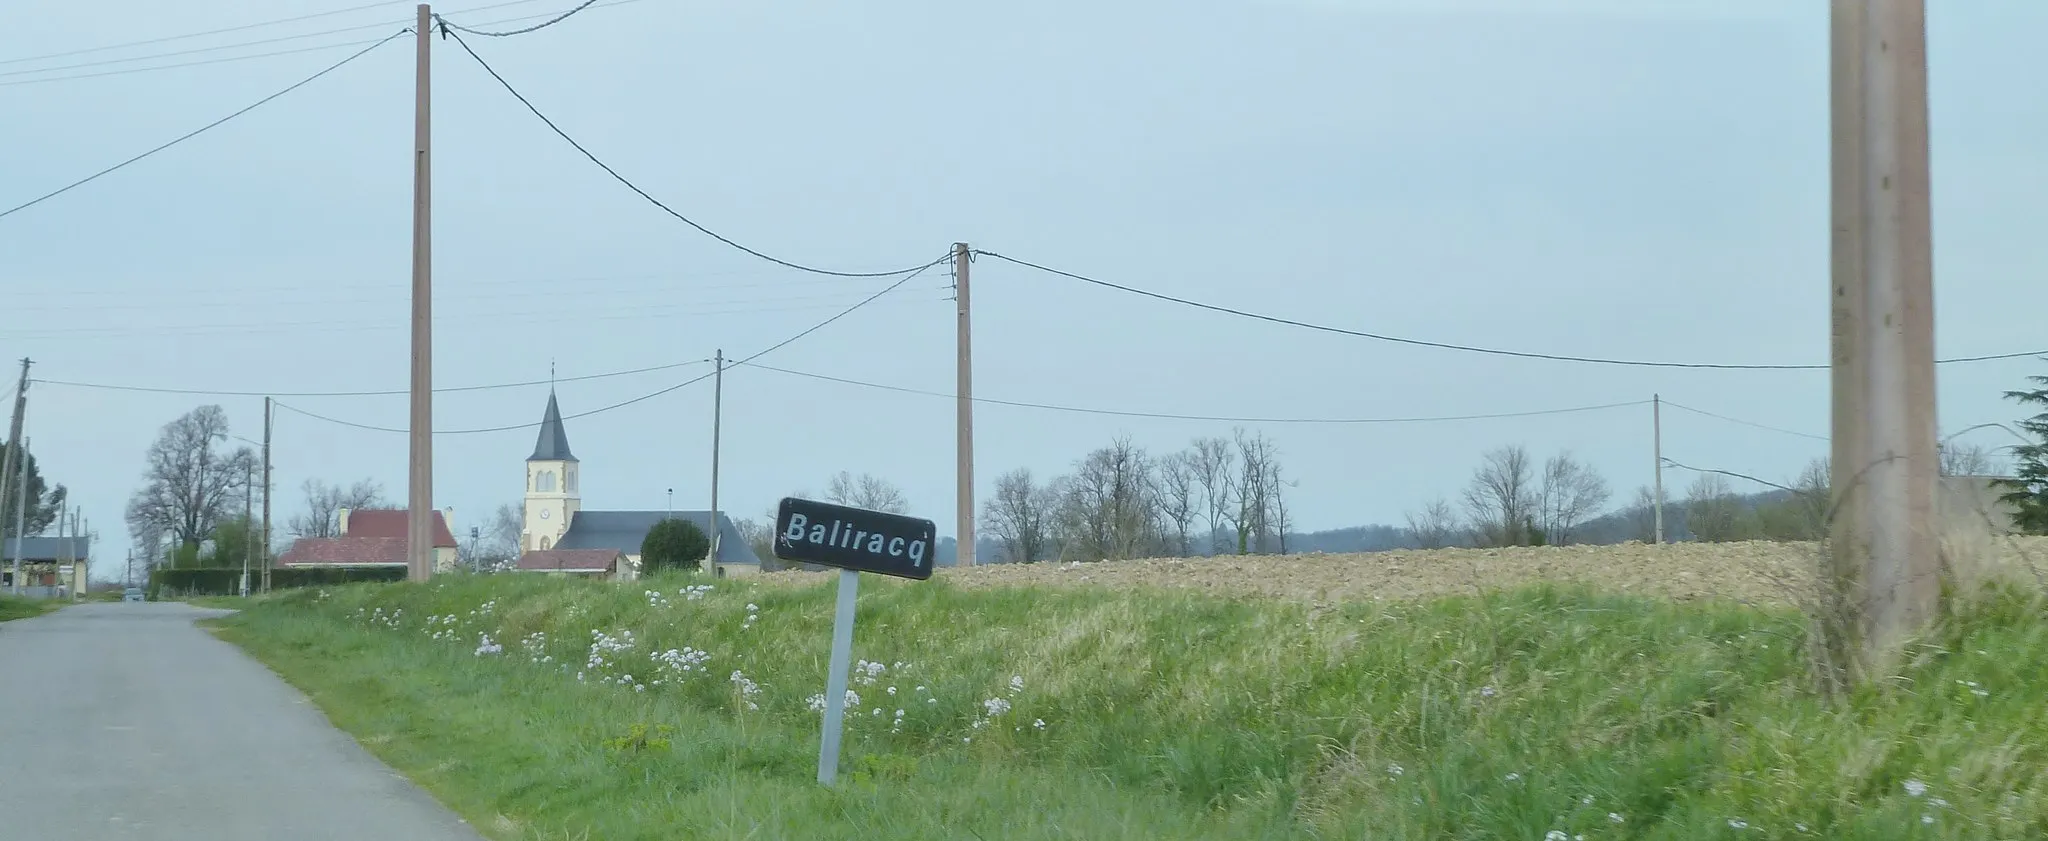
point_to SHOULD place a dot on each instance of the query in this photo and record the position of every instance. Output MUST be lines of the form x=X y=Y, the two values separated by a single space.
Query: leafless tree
x=1712 y=512
x=1434 y=527
x=1498 y=498
x=1959 y=459
x=1215 y=465
x=866 y=491
x=1258 y=488
x=324 y=502
x=190 y=478
x=1570 y=494
x=1177 y=485
x=1642 y=516
x=1020 y=516
x=1106 y=506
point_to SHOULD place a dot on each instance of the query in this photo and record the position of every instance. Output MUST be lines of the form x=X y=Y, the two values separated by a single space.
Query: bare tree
x=1258 y=490
x=1642 y=516
x=499 y=538
x=1434 y=527
x=866 y=491
x=189 y=480
x=1106 y=507
x=1177 y=485
x=1712 y=512
x=1498 y=498
x=1020 y=515
x=324 y=502
x=1215 y=465
x=1570 y=494
x=1967 y=460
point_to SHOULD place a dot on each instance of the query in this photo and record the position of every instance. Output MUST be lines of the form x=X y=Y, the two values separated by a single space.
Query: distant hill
x=1614 y=527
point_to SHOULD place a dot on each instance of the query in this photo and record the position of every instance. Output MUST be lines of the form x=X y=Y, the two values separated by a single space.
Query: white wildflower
x=1915 y=788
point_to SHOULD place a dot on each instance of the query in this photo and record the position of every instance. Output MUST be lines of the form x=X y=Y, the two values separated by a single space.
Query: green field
x=1096 y=714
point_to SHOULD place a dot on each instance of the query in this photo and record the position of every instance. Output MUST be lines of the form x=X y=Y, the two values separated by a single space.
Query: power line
x=1766 y=482
x=1450 y=346
x=260 y=25
x=657 y=202
x=649 y=396
x=1744 y=422
x=550 y=22
x=240 y=44
x=1218 y=418
x=196 y=132
x=445 y=390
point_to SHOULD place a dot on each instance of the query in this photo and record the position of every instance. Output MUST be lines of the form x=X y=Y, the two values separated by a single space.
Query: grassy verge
x=546 y=708
x=15 y=607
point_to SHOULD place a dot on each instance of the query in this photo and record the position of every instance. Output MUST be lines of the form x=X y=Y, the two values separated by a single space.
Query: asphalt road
x=124 y=721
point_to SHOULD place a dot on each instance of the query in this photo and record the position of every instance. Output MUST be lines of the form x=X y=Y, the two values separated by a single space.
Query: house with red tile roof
x=344 y=552
x=393 y=523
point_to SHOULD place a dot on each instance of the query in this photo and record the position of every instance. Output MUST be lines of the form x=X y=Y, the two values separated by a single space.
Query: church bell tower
x=552 y=499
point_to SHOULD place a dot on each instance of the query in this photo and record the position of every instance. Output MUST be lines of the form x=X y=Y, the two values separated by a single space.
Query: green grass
x=1165 y=715
x=16 y=607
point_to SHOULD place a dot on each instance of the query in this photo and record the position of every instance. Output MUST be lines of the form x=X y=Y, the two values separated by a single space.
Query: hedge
x=226 y=581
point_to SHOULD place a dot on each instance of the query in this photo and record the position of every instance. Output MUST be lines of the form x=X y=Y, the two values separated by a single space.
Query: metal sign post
x=855 y=540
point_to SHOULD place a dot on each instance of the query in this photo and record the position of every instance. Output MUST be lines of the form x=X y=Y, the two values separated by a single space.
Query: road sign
x=854 y=538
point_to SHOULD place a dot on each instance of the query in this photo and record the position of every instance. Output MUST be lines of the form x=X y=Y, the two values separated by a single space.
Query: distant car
x=132 y=594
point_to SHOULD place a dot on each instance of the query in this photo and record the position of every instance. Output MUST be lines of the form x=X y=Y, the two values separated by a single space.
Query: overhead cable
x=1216 y=418
x=657 y=202
x=543 y=25
x=1451 y=346
x=196 y=132
x=391 y=392
x=649 y=396
x=1744 y=422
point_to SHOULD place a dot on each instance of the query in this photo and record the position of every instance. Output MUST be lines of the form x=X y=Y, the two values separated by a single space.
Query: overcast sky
x=1633 y=179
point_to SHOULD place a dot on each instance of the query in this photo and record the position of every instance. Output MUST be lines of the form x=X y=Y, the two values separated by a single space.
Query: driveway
x=122 y=720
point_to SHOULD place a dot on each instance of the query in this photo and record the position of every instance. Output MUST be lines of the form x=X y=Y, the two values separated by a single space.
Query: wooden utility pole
x=1657 y=452
x=1883 y=543
x=269 y=408
x=420 y=518
x=15 y=449
x=717 y=416
x=20 y=518
x=964 y=400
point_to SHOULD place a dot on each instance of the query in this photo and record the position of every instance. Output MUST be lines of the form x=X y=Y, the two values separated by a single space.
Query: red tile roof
x=344 y=551
x=549 y=560
x=391 y=522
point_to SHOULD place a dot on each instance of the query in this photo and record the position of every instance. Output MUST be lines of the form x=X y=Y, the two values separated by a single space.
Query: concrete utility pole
x=717 y=415
x=1657 y=451
x=419 y=533
x=964 y=398
x=269 y=407
x=1884 y=548
x=20 y=519
x=15 y=449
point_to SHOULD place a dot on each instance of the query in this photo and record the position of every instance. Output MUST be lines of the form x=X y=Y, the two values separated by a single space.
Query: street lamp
x=671 y=513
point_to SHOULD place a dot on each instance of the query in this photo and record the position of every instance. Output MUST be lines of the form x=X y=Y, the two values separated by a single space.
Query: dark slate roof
x=553 y=444
x=48 y=548
x=624 y=530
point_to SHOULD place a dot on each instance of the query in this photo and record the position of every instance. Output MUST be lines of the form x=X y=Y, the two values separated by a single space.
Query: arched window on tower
x=547 y=481
x=569 y=480
x=546 y=544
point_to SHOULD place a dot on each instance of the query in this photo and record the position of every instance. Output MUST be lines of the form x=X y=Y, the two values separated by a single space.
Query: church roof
x=554 y=442
x=624 y=530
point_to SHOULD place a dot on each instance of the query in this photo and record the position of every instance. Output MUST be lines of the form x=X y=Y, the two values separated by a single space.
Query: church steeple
x=553 y=444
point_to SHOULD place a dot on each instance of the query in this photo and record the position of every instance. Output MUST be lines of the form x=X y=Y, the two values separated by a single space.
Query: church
x=558 y=535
